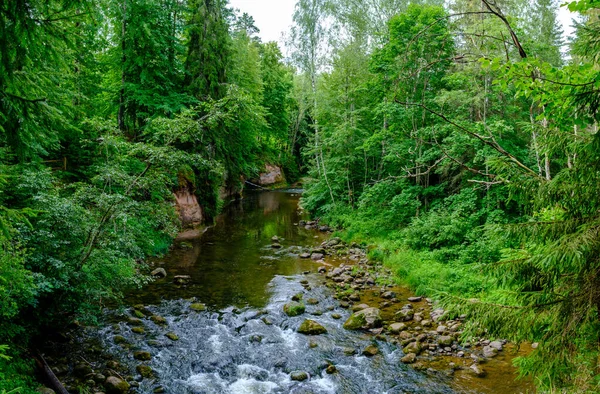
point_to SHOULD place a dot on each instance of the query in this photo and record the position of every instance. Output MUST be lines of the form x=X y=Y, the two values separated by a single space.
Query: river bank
x=217 y=321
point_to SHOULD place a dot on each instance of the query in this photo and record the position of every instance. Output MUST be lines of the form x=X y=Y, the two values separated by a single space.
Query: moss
x=145 y=371
x=311 y=327
x=198 y=307
x=294 y=309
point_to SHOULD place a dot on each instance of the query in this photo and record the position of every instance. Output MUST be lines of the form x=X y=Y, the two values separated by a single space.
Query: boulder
x=172 y=336
x=276 y=245
x=413 y=347
x=145 y=371
x=159 y=320
x=317 y=256
x=370 y=351
x=395 y=328
x=271 y=176
x=142 y=355
x=198 y=307
x=114 y=385
x=299 y=376
x=477 y=371
x=364 y=319
x=159 y=273
x=294 y=308
x=181 y=279
x=497 y=345
x=388 y=295
x=405 y=315
x=304 y=255
x=311 y=327
x=409 y=358
x=489 y=352
x=445 y=340
x=415 y=299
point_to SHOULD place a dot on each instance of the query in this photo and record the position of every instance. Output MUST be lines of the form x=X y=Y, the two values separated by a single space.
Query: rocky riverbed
x=329 y=321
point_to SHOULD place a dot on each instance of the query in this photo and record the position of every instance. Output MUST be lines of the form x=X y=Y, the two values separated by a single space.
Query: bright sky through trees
x=274 y=17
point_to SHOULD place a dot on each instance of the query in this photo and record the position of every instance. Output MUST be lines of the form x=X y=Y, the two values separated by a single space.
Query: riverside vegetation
x=458 y=137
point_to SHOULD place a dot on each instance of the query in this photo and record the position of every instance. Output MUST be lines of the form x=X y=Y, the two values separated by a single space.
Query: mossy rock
x=114 y=385
x=364 y=319
x=134 y=321
x=142 y=355
x=145 y=371
x=172 y=336
x=198 y=307
x=312 y=301
x=297 y=297
x=311 y=327
x=371 y=351
x=138 y=330
x=138 y=314
x=159 y=320
x=294 y=309
x=118 y=339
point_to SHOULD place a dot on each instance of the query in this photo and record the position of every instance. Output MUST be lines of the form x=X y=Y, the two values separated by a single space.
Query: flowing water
x=243 y=342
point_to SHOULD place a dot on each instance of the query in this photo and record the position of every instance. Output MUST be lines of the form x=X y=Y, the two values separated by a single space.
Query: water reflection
x=233 y=262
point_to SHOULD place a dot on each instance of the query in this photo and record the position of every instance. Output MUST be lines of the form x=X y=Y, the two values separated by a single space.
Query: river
x=227 y=332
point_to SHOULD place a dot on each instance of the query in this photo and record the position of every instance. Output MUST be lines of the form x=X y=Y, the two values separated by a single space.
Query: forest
x=459 y=139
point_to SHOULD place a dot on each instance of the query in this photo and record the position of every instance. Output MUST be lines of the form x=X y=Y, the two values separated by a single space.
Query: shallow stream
x=243 y=342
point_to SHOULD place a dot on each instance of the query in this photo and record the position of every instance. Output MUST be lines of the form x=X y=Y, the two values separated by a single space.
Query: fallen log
x=49 y=375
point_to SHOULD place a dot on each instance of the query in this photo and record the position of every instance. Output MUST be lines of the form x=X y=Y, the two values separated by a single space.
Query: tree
x=209 y=50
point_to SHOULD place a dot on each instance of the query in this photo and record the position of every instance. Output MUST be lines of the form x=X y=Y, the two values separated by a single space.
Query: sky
x=274 y=17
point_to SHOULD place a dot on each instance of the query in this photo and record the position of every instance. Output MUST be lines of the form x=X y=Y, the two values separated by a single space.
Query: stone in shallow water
x=145 y=371
x=497 y=345
x=158 y=320
x=198 y=307
x=395 y=328
x=159 y=273
x=142 y=355
x=114 y=385
x=311 y=327
x=294 y=309
x=364 y=319
x=182 y=279
x=415 y=299
x=299 y=376
x=409 y=358
x=477 y=371
x=371 y=351
x=172 y=336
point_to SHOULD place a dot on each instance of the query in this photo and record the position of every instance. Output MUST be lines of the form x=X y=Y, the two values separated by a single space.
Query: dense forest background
x=459 y=137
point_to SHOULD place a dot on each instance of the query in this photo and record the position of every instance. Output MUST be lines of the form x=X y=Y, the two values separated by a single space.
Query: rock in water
x=371 y=351
x=294 y=309
x=198 y=307
x=489 y=352
x=114 y=385
x=159 y=273
x=409 y=358
x=497 y=345
x=145 y=371
x=141 y=355
x=311 y=327
x=395 y=328
x=364 y=319
x=477 y=371
x=182 y=279
x=299 y=376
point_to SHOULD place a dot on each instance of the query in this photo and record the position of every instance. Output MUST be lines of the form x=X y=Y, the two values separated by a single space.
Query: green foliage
x=472 y=164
